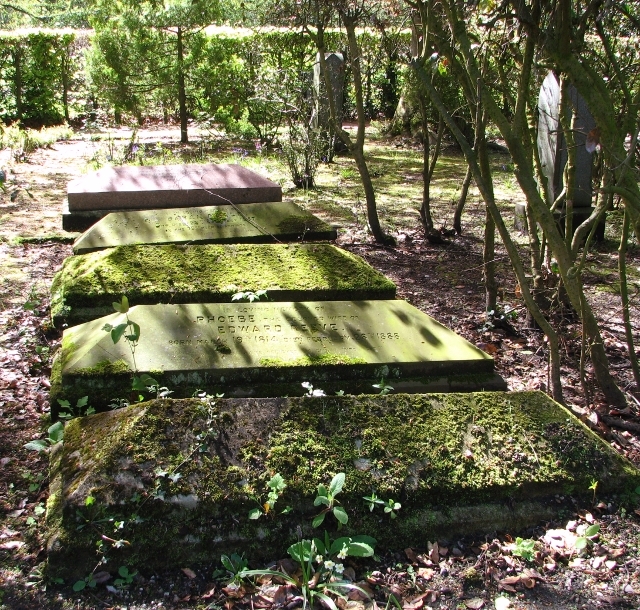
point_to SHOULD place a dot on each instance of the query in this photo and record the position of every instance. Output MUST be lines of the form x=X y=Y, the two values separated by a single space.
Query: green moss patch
x=87 y=284
x=182 y=475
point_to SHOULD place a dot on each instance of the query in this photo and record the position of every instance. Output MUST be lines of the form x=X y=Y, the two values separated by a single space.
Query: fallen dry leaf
x=189 y=573
x=11 y=545
x=209 y=594
x=474 y=604
x=434 y=552
x=363 y=593
x=234 y=591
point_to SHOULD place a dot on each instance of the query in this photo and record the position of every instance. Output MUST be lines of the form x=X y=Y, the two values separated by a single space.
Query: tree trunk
x=356 y=148
x=17 y=65
x=182 y=94
x=457 y=217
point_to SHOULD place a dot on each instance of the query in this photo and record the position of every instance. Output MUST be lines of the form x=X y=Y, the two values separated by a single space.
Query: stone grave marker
x=259 y=348
x=552 y=149
x=552 y=145
x=322 y=114
x=459 y=463
x=249 y=223
x=87 y=284
x=109 y=189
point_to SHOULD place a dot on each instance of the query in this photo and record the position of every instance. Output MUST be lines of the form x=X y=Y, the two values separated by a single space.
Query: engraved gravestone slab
x=249 y=223
x=88 y=284
x=169 y=186
x=232 y=347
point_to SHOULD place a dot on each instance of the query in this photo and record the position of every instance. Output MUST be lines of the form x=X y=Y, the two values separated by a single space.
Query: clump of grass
x=23 y=142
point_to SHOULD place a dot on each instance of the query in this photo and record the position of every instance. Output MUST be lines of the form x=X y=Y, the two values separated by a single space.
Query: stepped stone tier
x=88 y=284
x=459 y=464
x=109 y=189
x=249 y=223
x=269 y=349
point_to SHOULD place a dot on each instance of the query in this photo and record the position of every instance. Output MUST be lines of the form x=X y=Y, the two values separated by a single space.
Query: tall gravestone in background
x=552 y=145
x=322 y=114
x=552 y=149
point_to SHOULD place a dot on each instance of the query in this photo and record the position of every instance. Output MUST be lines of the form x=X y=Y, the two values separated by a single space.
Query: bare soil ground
x=443 y=280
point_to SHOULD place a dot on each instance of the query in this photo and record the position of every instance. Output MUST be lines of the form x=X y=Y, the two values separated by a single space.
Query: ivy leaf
x=135 y=335
x=117 y=332
x=123 y=306
x=255 y=513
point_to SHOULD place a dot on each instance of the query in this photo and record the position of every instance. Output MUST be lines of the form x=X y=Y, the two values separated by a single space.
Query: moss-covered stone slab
x=233 y=348
x=179 y=477
x=87 y=284
x=250 y=223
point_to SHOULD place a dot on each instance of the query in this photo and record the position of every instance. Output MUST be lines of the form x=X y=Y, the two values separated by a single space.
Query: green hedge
x=47 y=76
x=40 y=75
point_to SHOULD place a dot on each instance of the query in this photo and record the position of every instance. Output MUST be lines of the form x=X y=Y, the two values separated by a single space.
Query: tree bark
x=182 y=94
x=356 y=148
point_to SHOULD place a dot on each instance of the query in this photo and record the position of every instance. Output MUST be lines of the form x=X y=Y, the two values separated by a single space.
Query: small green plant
x=33 y=301
x=35 y=480
x=68 y=412
x=125 y=577
x=321 y=568
x=276 y=486
x=250 y=296
x=587 y=538
x=383 y=386
x=593 y=487
x=235 y=565
x=524 y=549
x=120 y=330
x=373 y=501
x=38 y=511
x=87 y=581
x=130 y=330
x=327 y=498
x=391 y=507
x=55 y=435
